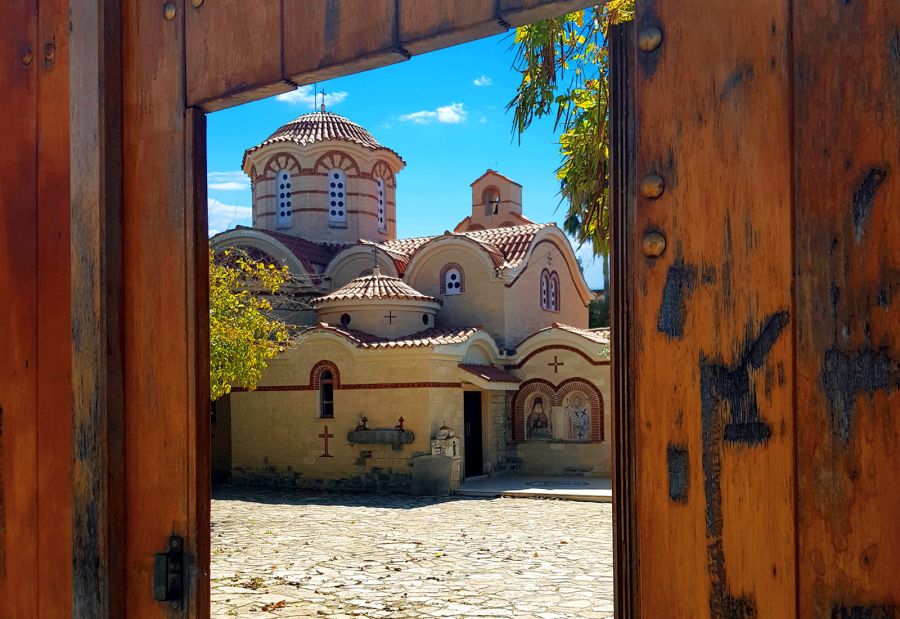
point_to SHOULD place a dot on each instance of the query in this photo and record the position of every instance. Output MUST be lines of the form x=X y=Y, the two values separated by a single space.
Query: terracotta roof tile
x=375 y=286
x=429 y=337
x=490 y=373
x=506 y=246
x=321 y=127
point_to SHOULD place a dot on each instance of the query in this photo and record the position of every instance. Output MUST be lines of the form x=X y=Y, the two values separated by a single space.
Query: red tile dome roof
x=376 y=287
x=321 y=127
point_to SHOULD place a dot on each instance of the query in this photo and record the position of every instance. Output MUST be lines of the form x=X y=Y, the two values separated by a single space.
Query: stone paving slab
x=306 y=554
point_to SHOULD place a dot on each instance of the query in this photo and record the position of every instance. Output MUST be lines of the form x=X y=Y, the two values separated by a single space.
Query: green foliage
x=243 y=331
x=598 y=313
x=564 y=64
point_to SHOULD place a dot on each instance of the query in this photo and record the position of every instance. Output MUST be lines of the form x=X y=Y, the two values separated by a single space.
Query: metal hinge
x=168 y=574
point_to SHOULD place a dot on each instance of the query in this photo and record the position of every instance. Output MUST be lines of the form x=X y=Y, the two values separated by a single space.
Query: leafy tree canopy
x=564 y=64
x=243 y=329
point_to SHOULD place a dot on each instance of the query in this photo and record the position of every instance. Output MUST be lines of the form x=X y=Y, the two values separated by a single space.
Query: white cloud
x=307 y=97
x=484 y=80
x=452 y=114
x=226 y=216
x=227 y=181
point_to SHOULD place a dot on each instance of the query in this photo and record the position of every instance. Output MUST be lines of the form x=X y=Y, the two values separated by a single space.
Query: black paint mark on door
x=730 y=415
x=865 y=612
x=679 y=286
x=847 y=375
x=679 y=472
x=863 y=198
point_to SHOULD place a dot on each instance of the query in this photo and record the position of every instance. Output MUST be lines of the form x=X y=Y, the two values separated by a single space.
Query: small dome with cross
x=378 y=304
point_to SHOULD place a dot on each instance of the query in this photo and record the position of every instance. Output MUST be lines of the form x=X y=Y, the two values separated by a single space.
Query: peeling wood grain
x=847 y=375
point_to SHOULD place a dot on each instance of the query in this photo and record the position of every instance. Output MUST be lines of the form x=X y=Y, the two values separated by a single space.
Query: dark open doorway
x=472 y=446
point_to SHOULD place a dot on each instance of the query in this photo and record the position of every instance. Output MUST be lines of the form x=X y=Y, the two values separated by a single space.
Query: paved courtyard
x=304 y=554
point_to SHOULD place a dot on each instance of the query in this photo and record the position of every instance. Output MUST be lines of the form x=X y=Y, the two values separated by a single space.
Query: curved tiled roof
x=428 y=337
x=376 y=286
x=507 y=247
x=321 y=127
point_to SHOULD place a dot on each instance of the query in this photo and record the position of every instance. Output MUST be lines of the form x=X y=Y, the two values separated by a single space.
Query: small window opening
x=337 y=198
x=452 y=281
x=382 y=219
x=283 y=195
x=326 y=395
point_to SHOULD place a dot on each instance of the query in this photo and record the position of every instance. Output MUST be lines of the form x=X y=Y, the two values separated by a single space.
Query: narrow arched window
x=326 y=395
x=382 y=218
x=554 y=292
x=452 y=280
x=283 y=199
x=545 y=289
x=337 y=198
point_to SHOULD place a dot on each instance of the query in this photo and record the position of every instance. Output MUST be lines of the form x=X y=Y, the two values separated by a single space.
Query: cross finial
x=323 y=100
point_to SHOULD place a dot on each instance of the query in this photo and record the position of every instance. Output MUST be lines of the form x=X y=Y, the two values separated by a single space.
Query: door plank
x=325 y=39
x=158 y=292
x=712 y=322
x=234 y=48
x=847 y=177
x=18 y=328
x=54 y=327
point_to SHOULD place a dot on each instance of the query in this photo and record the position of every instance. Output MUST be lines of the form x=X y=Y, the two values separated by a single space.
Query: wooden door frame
x=136 y=67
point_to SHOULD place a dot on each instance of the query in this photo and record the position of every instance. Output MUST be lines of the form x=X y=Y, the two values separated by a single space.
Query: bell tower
x=496 y=203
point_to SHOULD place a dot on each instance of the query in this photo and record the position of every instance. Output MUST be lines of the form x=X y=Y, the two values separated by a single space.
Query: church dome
x=321 y=127
x=376 y=287
x=380 y=305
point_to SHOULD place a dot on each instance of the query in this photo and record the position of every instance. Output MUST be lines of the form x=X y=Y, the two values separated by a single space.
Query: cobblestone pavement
x=305 y=554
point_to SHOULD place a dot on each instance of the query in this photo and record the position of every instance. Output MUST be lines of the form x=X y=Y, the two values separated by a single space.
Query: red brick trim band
x=423 y=385
x=557 y=347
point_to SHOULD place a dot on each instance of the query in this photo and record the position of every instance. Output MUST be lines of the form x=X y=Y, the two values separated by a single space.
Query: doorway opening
x=402 y=337
x=473 y=445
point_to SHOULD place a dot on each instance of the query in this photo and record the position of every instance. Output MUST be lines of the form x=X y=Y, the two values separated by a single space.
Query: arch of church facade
x=315 y=374
x=337 y=159
x=556 y=395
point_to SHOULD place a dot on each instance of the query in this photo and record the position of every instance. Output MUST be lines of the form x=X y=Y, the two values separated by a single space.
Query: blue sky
x=444 y=112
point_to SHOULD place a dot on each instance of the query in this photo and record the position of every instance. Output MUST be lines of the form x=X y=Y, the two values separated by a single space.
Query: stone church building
x=482 y=330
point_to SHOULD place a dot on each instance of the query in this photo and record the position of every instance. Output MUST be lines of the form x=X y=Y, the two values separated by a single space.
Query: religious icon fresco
x=538 y=422
x=579 y=420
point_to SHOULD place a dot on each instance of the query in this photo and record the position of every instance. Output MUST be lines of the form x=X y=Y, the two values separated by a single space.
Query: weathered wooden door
x=757 y=272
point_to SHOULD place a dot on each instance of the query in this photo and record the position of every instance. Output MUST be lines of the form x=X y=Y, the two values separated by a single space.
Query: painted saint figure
x=538 y=424
x=579 y=421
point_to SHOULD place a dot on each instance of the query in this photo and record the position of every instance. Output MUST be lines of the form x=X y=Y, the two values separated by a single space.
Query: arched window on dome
x=382 y=217
x=337 y=198
x=453 y=279
x=283 y=199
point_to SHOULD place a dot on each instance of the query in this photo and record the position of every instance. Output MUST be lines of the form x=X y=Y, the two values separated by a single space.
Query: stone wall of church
x=553 y=374
x=278 y=433
x=524 y=315
x=481 y=301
